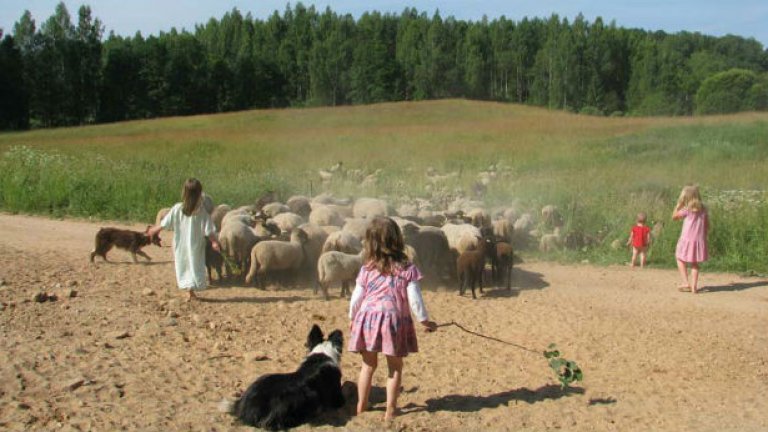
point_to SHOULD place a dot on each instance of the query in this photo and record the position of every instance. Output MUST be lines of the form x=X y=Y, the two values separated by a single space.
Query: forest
x=65 y=71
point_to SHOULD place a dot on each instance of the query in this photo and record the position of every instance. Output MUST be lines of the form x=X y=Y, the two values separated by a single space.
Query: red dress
x=640 y=235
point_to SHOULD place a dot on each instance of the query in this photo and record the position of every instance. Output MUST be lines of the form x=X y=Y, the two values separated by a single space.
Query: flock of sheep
x=321 y=238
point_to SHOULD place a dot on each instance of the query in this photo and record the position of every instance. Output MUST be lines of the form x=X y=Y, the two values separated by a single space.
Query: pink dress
x=383 y=321
x=692 y=245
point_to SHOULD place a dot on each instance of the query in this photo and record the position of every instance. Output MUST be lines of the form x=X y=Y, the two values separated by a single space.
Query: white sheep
x=551 y=242
x=300 y=205
x=479 y=217
x=356 y=227
x=313 y=247
x=325 y=215
x=287 y=222
x=276 y=255
x=504 y=230
x=369 y=208
x=275 y=208
x=218 y=214
x=342 y=241
x=461 y=237
x=333 y=267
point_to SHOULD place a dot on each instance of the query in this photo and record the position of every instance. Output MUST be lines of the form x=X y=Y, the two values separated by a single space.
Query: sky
x=747 y=18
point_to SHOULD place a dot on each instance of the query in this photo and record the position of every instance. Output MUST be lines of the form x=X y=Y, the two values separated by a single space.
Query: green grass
x=599 y=171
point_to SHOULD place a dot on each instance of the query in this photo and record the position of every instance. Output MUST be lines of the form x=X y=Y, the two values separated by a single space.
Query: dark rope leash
x=474 y=333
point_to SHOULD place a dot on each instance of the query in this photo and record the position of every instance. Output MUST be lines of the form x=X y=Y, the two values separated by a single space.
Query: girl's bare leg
x=683 y=274
x=643 y=257
x=694 y=277
x=370 y=360
x=634 y=257
x=395 y=366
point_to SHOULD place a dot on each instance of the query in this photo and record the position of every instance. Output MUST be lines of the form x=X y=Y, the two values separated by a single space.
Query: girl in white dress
x=190 y=223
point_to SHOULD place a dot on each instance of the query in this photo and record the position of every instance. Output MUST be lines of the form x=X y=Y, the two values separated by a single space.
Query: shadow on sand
x=739 y=286
x=257 y=300
x=471 y=403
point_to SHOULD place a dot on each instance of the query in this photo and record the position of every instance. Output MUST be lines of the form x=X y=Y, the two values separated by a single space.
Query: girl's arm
x=416 y=303
x=154 y=230
x=629 y=240
x=354 y=302
x=678 y=214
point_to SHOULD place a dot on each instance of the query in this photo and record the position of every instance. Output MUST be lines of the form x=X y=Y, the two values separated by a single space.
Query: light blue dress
x=189 y=233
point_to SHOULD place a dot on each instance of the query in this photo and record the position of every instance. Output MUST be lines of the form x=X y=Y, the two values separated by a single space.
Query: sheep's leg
x=344 y=289
x=133 y=255
x=473 y=287
x=509 y=276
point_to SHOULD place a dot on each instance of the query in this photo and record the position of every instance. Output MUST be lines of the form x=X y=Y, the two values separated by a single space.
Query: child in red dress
x=386 y=292
x=639 y=238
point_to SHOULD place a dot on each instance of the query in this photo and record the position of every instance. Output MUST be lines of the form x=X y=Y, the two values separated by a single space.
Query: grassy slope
x=601 y=171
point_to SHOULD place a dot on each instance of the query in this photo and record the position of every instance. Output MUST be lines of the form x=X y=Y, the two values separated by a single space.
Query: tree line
x=66 y=73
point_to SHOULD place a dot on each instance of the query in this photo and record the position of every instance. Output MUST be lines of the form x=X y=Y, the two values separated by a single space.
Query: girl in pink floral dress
x=692 y=245
x=386 y=292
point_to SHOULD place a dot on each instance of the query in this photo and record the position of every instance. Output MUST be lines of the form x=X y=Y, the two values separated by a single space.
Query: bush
x=590 y=110
x=726 y=92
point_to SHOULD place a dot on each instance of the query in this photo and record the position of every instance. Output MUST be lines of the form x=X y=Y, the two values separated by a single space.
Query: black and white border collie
x=281 y=401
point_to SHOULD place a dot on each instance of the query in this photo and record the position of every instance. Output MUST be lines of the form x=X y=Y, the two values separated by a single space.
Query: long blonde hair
x=190 y=195
x=690 y=199
x=384 y=245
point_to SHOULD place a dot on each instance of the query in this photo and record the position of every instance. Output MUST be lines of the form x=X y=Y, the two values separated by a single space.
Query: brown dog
x=132 y=241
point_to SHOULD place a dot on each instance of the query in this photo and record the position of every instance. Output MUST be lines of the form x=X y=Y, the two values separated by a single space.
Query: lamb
x=505 y=257
x=335 y=266
x=287 y=221
x=316 y=237
x=470 y=266
x=342 y=241
x=551 y=217
x=369 y=208
x=218 y=214
x=275 y=255
x=213 y=260
x=325 y=215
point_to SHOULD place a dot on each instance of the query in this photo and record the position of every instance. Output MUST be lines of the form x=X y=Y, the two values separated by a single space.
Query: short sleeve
x=169 y=220
x=412 y=274
x=684 y=212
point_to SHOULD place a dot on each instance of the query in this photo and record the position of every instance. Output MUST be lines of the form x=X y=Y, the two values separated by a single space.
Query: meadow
x=599 y=171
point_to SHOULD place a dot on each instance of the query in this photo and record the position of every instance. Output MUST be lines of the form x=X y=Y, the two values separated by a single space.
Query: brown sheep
x=470 y=266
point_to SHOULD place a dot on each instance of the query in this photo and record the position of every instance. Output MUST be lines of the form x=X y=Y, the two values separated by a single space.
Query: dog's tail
x=228 y=405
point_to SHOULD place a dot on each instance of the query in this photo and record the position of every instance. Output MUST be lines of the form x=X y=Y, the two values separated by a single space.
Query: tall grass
x=599 y=171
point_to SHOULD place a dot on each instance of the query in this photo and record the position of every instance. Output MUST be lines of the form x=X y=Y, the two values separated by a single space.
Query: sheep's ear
x=315 y=337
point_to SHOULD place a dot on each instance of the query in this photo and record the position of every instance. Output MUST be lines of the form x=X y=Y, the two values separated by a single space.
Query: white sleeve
x=416 y=302
x=354 y=302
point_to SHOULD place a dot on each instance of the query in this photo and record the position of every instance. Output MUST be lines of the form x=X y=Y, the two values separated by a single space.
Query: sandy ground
x=126 y=354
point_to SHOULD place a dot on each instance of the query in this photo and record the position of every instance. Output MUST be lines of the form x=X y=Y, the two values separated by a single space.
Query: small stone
x=57 y=286
x=2 y=282
x=171 y=322
x=23 y=406
x=70 y=293
x=212 y=325
x=40 y=297
x=74 y=384
x=253 y=356
x=120 y=334
x=108 y=345
x=52 y=297
x=147 y=292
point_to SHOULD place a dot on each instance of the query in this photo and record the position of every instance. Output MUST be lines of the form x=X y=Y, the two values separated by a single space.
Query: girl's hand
x=215 y=246
x=430 y=326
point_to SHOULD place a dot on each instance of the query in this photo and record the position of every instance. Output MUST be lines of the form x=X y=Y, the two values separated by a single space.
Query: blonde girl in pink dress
x=692 y=245
x=386 y=292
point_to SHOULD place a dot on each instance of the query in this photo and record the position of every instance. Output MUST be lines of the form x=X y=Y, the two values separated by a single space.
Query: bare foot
x=684 y=288
x=389 y=416
x=191 y=296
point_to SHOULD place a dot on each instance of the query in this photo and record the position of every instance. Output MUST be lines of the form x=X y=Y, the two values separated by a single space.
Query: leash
x=466 y=330
x=566 y=371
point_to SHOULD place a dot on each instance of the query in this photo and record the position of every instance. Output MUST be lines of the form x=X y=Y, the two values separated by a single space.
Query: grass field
x=599 y=171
